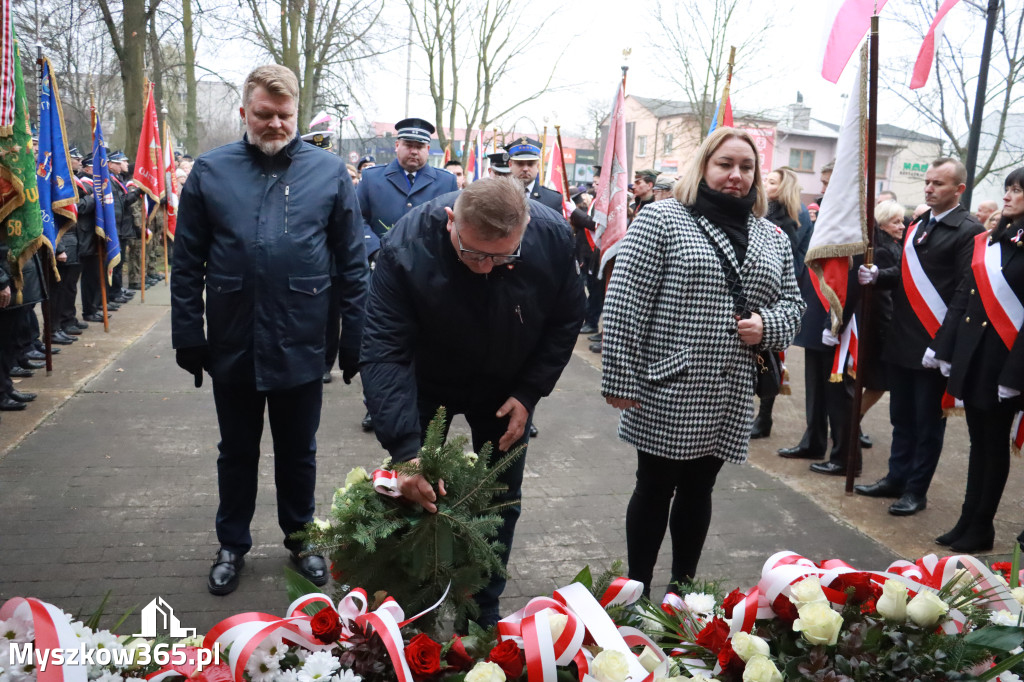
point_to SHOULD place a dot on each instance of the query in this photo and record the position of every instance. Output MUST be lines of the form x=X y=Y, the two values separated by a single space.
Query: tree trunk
x=133 y=67
x=191 y=111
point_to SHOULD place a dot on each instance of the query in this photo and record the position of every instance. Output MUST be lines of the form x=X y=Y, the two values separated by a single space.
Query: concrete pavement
x=107 y=483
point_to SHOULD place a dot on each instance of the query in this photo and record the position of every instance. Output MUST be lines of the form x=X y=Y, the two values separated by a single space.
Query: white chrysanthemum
x=20 y=673
x=135 y=679
x=197 y=640
x=274 y=647
x=347 y=676
x=1018 y=594
x=287 y=676
x=1004 y=617
x=105 y=639
x=81 y=631
x=1008 y=677
x=302 y=654
x=107 y=676
x=318 y=667
x=262 y=666
x=699 y=602
x=14 y=631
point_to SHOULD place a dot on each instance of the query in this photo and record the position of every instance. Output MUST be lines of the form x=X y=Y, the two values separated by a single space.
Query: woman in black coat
x=980 y=348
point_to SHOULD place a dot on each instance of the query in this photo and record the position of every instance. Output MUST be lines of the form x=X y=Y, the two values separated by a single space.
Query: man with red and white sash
x=981 y=350
x=936 y=257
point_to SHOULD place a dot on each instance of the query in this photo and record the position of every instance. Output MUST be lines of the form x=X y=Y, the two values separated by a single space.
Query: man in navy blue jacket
x=258 y=224
x=475 y=304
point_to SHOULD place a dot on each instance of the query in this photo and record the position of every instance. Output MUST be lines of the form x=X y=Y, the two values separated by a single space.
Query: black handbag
x=768 y=377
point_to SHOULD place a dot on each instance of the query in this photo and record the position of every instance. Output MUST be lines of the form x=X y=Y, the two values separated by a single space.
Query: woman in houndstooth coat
x=678 y=359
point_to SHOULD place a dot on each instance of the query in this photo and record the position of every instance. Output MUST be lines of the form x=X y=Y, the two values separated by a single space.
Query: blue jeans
x=294 y=419
x=485 y=427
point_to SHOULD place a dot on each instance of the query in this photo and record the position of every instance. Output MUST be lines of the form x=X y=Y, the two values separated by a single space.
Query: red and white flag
x=554 y=178
x=848 y=21
x=170 y=182
x=840 y=231
x=149 y=171
x=610 y=212
x=7 y=89
x=926 y=56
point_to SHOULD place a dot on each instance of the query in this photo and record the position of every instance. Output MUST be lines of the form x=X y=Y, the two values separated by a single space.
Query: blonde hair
x=887 y=210
x=789 y=191
x=275 y=79
x=496 y=207
x=686 y=189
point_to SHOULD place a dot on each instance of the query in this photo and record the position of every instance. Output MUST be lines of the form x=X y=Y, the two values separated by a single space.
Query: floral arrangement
x=936 y=619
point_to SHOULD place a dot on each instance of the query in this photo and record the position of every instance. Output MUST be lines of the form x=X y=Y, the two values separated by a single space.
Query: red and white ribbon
x=385 y=482
x=1017 y=434
x=1003 y=308
x=52 y=631
x=923 y=296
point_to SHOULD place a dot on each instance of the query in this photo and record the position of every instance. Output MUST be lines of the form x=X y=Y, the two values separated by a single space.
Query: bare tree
x=947 y=101
x=480 y=39
x=697 y=35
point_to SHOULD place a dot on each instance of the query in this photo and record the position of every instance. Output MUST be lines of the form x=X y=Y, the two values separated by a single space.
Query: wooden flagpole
x=168 y=189
x=720 y=117
x=561 y=155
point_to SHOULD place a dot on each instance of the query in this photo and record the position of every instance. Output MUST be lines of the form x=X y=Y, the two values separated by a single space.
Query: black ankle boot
x=975 y=539
x=951 y=536
x=763 y=423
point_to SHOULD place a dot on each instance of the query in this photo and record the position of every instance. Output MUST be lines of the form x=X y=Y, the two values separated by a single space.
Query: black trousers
x=8 y=348
x=64 y=295
x=294 y=415
x=987 y=468
x=918 y=427
x=487 y=428
x=91 y=283
x=686 y=485
x=828 y=406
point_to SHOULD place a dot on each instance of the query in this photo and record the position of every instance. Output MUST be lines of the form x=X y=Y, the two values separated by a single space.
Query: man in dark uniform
x=386 y=193
x=475 y=304
x=524 y=162
x=498 y=167
x=936 y=257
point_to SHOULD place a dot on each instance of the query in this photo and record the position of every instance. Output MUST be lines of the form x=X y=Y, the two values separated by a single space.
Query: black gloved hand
x=348 y=363
x=194 y=360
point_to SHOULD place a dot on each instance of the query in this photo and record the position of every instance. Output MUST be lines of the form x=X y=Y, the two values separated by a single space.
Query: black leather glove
x=348 y=363
x=194 y=360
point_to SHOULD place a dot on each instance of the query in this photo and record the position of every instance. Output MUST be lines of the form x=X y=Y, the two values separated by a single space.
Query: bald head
x=985 y=209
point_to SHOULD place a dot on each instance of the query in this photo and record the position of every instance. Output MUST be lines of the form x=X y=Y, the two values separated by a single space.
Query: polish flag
x=555 y=177
x=848 y=21
x=926 y=55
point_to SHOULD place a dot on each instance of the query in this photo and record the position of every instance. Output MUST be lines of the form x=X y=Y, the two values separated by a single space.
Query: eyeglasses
x=471 y=256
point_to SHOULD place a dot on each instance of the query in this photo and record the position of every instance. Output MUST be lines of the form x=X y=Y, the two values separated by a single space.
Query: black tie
x=412 y=178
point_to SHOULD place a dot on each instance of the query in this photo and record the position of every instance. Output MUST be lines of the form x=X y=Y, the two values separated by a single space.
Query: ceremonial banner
x=8 y=88
x=848 y=21
x=106 y=224
x=19 y=195
x=57 y=193
x=149 y=172
x=171 y=188
x=926 y=55
x=555 y=177
x=840 y=231
x=610 y=205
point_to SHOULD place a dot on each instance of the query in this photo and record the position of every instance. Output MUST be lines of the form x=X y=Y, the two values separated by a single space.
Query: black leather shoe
x=80 y=324
x=595 y=337
x=596 y=347
x=797 y=452
x=93 y=317
x=35 y=355
x=19 y=372
x=62 y=338
x=762 y=429
x=865 y=441
x=883 y=487
x=908 y=505
x=8 y=404
x=588 y=329
x=111 y=307
x=829 y=469
x=224 y=572
x=31 y=364
x=533 y=431
x=72 y=331
x=367 y=423
x=120 y=299
x=313 y=567
x=128 y=294
x=327 y=377
x=22 y=397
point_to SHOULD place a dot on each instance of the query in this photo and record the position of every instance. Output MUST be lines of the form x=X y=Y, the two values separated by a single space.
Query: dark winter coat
x=259 y=233
x=385 y=194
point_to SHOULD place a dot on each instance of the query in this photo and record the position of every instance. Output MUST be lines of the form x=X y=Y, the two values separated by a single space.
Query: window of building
x=881 y=166
x=667 y=147
x=641 y=145
x=801 y=159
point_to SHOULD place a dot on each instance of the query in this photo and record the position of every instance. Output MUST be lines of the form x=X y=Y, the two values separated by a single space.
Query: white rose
x=761 y=669
x=610 y=666
x=926 y=609
x=557 y=622
x=1018 y=594
x=357 y=475
x=485 y=672
x=747 y=646
x=698 y=602
x=1003 y=617
x=818 y=623
x=649 y=660
x=892 y=605
x=807 y=591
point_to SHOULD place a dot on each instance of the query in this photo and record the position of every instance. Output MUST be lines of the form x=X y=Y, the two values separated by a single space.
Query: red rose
x=508 y=656
x=326 y=625
x=1003 y=567
x=336 y=573
x=458 y=657
x=423 y=655
x=215 y=673
x=730 y=661
x=714 y=635
x=732 y=599
x=863 y=587
x=784 y=609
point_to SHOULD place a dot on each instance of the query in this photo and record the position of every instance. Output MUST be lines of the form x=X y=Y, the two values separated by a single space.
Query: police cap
x=524 y=149
x=320 y=138
x=415 y=130
x=499 y=162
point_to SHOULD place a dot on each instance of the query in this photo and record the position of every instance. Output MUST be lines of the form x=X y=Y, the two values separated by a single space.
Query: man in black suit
x=524 y=162
x=936 y=257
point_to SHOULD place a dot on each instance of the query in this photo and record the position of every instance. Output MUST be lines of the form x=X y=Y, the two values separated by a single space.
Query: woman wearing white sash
x=981 y=350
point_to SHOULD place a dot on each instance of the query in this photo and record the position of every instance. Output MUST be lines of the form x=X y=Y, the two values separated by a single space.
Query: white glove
x=828 y=338
x=929 y=360
x=867 y=275
x=1005 y=393
x=945 y=367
